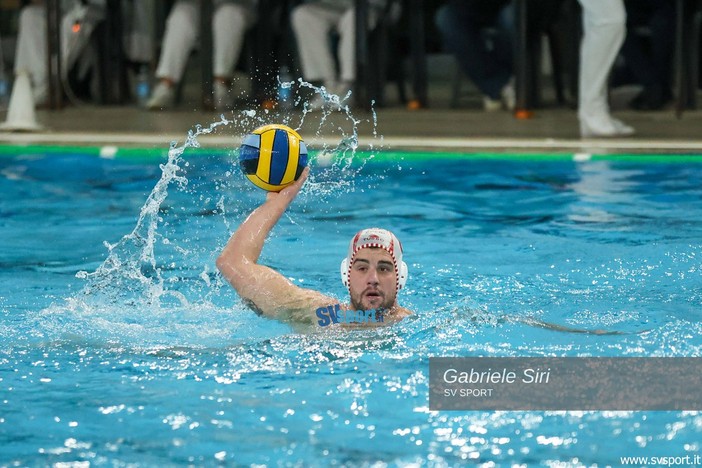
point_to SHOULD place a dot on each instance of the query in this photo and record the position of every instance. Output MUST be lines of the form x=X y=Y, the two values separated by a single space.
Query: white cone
x=20 y=113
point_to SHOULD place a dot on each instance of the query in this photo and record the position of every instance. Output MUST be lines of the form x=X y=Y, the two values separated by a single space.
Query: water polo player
x=373 y=271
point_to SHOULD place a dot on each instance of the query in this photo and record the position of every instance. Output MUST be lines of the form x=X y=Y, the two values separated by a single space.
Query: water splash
x=337 y=158
x=139 y=295
x=131 y=270
x=157 y=284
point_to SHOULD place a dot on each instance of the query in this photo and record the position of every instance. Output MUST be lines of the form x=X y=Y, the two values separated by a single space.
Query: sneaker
x=509 y=96
x=343 y=89
x=491 y=105
x=328 y=99
x=604 y=126
x=316 y=103
x=163 y=97
x=507 y=100
x=41 y=96
x=622 y=128
x=223 y=99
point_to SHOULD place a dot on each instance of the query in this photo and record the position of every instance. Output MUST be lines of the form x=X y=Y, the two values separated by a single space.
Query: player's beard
x=384 y=301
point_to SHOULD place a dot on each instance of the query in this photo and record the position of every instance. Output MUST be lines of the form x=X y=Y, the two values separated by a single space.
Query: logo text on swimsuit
x=334 y=314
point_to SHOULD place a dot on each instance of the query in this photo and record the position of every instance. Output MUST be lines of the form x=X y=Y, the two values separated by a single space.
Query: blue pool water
x=122 y=346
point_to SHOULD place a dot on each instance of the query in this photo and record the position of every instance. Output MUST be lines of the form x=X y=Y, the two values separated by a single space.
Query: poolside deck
x=438 y=128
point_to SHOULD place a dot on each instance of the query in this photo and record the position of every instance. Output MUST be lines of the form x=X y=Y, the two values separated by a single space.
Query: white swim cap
x=378 y=238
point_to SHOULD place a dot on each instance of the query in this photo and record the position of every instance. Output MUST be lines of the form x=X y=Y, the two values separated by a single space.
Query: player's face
x=372 y=280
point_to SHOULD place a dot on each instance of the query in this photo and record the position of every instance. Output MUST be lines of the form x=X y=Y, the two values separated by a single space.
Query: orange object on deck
x=269 y=104
x=414 y=104
x=523 y=114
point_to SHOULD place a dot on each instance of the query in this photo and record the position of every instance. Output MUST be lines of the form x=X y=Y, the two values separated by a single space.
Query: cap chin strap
x=401 y=279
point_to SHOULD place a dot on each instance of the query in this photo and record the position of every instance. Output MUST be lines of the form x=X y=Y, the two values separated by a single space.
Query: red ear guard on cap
x=401 y=274
x=377 y=238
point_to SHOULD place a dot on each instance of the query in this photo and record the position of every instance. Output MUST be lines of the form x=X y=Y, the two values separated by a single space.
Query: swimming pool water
x=122 y=346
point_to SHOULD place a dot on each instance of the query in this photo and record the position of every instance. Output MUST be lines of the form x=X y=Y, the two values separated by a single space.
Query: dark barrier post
x=521 y=54
x=115 y=84
x=264 y=71
x=362 y=68
x=419 y=57
x=685 y=89
x=53 y=28
x=206 y=53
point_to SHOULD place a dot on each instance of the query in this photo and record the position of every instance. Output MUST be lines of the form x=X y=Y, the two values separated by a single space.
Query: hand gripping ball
x=273 y=157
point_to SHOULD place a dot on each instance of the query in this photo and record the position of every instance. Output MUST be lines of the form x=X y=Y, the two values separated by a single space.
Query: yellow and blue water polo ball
x=273 y=157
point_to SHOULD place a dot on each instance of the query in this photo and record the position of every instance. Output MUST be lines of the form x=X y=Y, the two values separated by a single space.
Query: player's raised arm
x=265 y=290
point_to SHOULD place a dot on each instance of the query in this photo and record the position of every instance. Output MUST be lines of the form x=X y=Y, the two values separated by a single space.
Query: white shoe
x=330 y=98
x=491 y=105
x=163 y=97
x=41 y=96
x=316 y=103
x=507 y=101
x=604 y=126
x=623 y=128
x=509 y=96
x=343 y=89
x=223 y=100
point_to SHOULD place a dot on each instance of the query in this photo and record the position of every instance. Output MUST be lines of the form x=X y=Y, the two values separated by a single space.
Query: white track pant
x=312 y=24
x=229 y=24
x=31 y=49
x=604 y=28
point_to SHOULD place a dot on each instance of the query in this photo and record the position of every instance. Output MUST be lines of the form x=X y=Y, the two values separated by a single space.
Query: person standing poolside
x=230 y=21
x=604 y=29
x=313 y=23
x=489 y=63
x=373 y=271
x=78 y=43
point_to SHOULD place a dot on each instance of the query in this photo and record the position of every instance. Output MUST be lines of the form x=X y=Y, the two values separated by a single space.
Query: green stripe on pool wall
x=409 y=156
x=109 y=152
x=17 y=150
x=384 y=156
x=102 y=151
